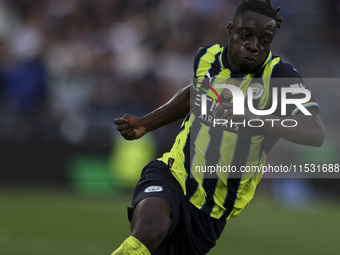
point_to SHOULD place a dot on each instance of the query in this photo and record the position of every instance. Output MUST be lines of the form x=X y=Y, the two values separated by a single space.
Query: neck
x=231 y=63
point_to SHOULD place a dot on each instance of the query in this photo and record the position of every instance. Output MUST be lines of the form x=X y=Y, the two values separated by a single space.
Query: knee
x=153 y=230
x=151 y=222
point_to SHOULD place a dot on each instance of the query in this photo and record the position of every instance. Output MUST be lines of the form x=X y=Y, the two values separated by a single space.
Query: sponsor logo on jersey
x=171 y=162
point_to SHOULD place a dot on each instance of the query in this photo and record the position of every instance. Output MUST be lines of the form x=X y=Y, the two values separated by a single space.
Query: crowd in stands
x=69 y=67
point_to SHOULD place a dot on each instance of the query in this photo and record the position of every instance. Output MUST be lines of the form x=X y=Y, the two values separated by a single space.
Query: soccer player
x=176 y=211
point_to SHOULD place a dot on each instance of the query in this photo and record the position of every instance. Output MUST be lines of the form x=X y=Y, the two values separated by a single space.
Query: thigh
x=157 y=181
x=191 y=231
x=155 y=205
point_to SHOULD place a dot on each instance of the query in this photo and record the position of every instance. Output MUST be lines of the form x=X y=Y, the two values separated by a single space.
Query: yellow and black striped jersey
x=200 y=145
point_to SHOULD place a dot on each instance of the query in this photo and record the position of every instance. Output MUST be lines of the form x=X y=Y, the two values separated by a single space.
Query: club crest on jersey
x=153 y=189
x=257 y=89
x=226 y=92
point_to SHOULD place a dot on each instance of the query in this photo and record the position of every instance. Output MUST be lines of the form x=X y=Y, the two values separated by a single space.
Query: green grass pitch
x=52 y=222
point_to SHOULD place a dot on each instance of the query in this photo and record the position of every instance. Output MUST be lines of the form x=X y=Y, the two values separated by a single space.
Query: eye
x=244 y=35
x=264 y=41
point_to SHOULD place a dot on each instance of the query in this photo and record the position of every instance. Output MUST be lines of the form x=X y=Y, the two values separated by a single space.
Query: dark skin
x=131 y=127
x=250 y=37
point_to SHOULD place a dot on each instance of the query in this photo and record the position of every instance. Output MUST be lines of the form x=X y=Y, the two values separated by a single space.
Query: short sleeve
x=285 y=75
x=201 y=51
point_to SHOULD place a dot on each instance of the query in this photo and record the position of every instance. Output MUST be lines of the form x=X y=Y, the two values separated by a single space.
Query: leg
x=151 y=222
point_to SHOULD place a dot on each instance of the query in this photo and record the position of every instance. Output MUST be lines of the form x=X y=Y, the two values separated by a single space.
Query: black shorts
x=192 y=231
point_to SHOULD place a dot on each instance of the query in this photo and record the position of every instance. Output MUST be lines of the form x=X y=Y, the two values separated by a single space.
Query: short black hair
x=262 y=7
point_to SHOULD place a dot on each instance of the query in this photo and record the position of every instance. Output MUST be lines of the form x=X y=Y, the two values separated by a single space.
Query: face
x=251 y=35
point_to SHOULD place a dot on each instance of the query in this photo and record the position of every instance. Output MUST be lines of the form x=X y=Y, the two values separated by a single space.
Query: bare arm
x=177 y=107
x=308 y=131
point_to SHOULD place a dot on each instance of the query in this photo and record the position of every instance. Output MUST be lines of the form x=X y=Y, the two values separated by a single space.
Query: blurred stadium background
x=69 y=67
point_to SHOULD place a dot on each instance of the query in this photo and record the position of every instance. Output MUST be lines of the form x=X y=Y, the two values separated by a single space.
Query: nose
x=253 y=45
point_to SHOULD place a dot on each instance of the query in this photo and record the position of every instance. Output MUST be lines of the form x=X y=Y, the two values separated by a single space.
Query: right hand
x=130 y=127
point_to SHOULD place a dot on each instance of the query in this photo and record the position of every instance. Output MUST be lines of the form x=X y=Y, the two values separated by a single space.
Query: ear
x=229 y=28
